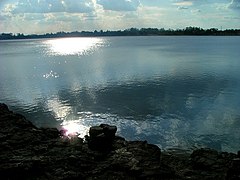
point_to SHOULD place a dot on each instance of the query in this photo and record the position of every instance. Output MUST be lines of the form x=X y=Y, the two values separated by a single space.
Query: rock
x=108 y=130
x=50 y=132
x=204 y=158
x=101 y=137
x=214 y=164
x=209 y=159
x=95 y=131
x=234 y=170
x=3 y=108
x=28 y=152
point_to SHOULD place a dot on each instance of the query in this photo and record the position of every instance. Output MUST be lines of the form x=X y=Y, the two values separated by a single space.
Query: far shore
x=188 y=31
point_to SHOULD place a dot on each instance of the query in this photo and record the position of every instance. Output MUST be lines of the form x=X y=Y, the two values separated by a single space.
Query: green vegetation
x=188 y=31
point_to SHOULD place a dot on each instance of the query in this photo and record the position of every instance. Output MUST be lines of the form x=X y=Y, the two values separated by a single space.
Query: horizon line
x=122 y=30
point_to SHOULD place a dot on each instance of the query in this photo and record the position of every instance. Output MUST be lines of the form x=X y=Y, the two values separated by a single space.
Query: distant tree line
x=188 y=31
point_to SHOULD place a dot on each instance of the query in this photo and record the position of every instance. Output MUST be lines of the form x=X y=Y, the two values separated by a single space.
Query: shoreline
x=129 y=36
x=189 y=31
x=28 y=152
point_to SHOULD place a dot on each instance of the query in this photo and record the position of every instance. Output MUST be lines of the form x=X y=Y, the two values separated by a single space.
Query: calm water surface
x=176 y=92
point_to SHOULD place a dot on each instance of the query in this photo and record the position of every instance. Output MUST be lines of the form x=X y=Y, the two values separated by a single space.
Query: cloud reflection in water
x=152 y=113
x=162 y=93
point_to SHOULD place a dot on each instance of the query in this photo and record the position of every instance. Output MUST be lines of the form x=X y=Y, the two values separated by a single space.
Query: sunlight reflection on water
x=72 y=128
x=171 y=91
x=72 y=46
x=131 y=129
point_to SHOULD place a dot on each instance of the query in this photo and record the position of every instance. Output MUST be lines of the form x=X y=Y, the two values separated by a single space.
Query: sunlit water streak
x=72 y=46
x=172 y=91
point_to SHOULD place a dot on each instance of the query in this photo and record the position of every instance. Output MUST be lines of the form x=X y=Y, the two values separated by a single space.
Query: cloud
x=183 y=3
x=186 y=3
x=182 y=8
x=5 y=12
x=34 y=6
x=232 y=18
x=196 y=11
x=235 y=4
x=83 y=6
x=33 y=17
x=51 y=6
x=42 y=16
x=2 y=17
x=119 y=5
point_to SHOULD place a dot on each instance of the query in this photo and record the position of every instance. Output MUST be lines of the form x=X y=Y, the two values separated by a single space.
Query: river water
x=176 y=92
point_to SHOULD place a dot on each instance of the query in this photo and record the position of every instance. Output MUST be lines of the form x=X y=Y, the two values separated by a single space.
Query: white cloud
x=196 y=11
x=2 y=17
x=41 y=16
x=232 y=18
x=119 y=5
x=235 y=4
x=50 y=6
x=83 y=6
x=183 y=3
x=182 y=7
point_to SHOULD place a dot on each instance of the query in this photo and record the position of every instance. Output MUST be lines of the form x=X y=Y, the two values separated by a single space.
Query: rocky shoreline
x=28 y=152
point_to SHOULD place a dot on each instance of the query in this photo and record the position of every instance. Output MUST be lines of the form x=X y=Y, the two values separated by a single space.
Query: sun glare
x=72 y=128
x=72 y=46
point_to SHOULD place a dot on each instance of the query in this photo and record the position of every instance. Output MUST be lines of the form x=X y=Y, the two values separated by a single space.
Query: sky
x=46 y=16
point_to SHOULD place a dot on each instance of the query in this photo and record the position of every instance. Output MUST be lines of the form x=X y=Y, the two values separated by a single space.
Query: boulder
x=108 y=130
x=95 y=131
x=28 y=152
x=3 y=108
x=101 y=137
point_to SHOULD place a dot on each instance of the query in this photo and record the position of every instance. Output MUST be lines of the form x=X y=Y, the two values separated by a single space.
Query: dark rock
x=204 y=158
x=108 y=130
x=234 y=170
x=214 y=164
x=95 y=131
x=209 y=159
x=28 y=152
x=3 y=108
x=50 y=132
x=101 y=137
